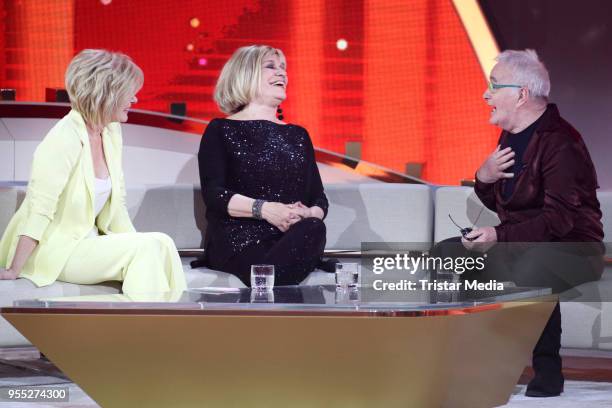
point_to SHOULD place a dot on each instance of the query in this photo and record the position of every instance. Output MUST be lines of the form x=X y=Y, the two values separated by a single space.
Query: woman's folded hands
x=283 y=216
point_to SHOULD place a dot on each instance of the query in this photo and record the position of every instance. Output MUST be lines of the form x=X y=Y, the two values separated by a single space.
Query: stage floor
x=584 y=394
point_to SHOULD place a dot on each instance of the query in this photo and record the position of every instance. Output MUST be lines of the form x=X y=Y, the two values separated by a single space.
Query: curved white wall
x=151 y=155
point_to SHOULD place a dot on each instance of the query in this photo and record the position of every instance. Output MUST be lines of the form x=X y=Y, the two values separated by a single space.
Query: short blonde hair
x=240 y=78
x=98 y=80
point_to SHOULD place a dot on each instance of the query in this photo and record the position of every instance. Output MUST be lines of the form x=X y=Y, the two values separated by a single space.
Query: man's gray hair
x=527 y=70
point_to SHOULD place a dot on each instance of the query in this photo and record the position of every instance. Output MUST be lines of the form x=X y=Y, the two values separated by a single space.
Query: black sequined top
x=259 y=159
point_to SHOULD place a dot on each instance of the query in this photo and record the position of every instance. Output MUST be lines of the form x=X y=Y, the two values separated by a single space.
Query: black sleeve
x=212 y=161
x=315 y=194
x=486 y=194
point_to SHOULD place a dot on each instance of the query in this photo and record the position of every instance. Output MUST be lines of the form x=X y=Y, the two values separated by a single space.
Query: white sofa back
x=605 y=202
x=379 y=213
x=11 y=197
x=466 y=209
x=371 y=212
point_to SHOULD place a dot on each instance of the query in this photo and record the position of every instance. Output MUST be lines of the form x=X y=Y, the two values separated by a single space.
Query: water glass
x=262 y=296
x=347 y=275
x=262 y=277
x=441 y=295
x=347 y=295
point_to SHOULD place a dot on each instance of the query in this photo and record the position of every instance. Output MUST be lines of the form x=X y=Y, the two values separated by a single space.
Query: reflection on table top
x=287 y=300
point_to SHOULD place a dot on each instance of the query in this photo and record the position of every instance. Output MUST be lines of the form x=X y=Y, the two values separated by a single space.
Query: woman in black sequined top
x=260 y=181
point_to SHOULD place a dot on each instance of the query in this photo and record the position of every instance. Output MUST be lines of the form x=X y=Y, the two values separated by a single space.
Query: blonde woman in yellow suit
x=73 y=225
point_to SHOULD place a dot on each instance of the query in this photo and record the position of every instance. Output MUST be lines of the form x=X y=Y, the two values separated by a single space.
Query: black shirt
x=259 y=159
x=518 y=142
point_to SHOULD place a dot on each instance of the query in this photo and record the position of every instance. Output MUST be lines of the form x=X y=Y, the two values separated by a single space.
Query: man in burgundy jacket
x=542 y=183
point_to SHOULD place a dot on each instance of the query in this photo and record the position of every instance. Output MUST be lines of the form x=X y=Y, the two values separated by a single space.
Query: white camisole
x=102 y=188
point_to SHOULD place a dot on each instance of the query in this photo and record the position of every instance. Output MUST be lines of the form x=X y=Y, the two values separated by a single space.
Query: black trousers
x=294 y=255
x=553 y=265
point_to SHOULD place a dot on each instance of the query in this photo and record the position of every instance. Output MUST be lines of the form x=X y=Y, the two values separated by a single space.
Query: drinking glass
x=262 y=277
x=347 y=295
x=347 y=275
x=262 y=296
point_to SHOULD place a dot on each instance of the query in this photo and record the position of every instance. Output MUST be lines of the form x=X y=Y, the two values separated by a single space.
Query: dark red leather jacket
x=554 y=198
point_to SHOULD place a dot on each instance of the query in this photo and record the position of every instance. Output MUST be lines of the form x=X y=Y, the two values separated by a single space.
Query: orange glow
x=461 y=136
x=423 y=93
x=44 y=46
x=305 y=66
x=394 y=94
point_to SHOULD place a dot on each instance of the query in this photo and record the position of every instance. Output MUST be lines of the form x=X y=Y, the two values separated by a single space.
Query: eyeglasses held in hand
x=464 y=231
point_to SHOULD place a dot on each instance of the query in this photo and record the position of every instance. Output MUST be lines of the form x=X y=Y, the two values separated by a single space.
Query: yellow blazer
x=58 y=210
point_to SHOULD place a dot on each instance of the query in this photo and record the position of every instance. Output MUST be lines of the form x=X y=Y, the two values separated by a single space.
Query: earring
x=279 y=113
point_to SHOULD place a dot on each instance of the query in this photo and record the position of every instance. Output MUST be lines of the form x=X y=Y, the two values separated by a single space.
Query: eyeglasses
x=467 y=230
x=493 y=86
x=464 y=231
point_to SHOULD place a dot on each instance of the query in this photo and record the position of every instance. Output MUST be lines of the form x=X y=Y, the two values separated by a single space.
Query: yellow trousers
x=146 y=262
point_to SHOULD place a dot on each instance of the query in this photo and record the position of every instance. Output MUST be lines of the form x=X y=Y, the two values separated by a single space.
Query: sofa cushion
x=11 y=197
x=23 y=289
x=176 y=210
x=379 y=213
x=605 y=202
x=466 y=209
x=373 y=212
x=209 y=278
x=586 y=315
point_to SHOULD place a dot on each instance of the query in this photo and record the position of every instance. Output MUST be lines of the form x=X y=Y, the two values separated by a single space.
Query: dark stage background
x=574 y=38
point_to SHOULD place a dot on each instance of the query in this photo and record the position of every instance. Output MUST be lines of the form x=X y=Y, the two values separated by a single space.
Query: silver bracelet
x=257 y=205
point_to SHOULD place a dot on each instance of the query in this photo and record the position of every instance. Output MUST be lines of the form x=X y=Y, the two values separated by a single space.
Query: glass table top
x=321 y=299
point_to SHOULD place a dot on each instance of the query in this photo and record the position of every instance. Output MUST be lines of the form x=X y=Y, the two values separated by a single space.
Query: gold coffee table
x=312 y=347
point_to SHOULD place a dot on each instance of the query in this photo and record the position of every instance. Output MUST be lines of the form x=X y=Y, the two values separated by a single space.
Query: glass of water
x=347 y=275
x=262 y=296
x=262 y=277
x=347 y=295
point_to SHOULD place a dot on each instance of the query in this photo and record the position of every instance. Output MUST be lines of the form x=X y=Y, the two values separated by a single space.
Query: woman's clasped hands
x=283 y=216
